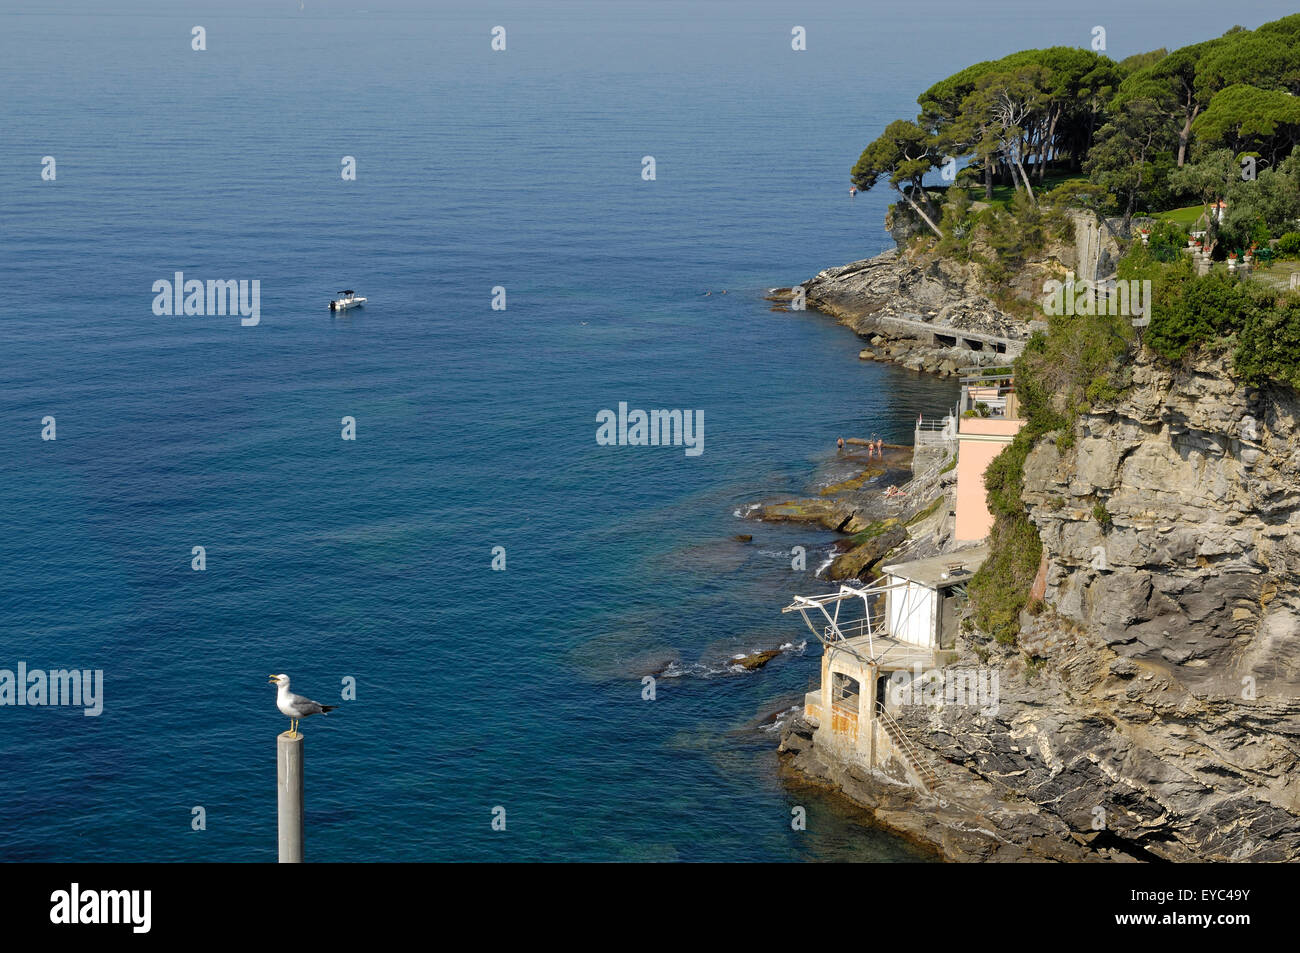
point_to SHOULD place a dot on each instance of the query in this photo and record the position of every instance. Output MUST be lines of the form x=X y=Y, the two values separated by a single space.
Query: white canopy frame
x=833 y=635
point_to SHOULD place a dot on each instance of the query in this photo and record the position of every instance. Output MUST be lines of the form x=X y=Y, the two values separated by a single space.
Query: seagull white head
x=282 y=680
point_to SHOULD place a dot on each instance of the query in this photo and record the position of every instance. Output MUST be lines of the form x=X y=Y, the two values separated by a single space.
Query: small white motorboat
x=347 y=299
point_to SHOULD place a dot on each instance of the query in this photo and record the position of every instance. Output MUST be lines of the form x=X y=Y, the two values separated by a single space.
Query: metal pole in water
x=288 y=775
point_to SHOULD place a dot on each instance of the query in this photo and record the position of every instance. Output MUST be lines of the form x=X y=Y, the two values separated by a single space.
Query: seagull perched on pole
x=294 y=706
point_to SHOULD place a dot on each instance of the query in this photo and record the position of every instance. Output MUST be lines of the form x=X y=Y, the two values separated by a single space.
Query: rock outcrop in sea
x=889 y=510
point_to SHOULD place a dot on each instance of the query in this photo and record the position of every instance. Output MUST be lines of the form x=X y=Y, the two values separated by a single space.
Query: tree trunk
x=1186 y=134
x=919 y=211
x=1128 y=209
x=1047 y=144
x=988 y=179
x=1137 y=186
x=1028 y=188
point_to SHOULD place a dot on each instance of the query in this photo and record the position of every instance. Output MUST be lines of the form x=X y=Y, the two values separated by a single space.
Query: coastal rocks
x=936 y=314
x=881 y=519
x=931 y=316
x=1150 y=709
x=858 y=562
x=1085 y=758
x=720 y=660
x=903 y=224
x=849 y=505
x=750 y=660
x=755 y=660
x=1119 y=745
x=653 y=663
x=975 y=822
x=833 y=514
x=854 y=483
x=797 y=738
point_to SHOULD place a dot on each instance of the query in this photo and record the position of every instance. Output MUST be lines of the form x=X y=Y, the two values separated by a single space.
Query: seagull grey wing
x=305 y=706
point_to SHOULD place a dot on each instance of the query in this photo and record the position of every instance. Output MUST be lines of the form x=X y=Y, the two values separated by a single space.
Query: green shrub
x=1268 y=346
x=1260 y=234
x=1166 y=242
x=1155 y=262
x=1288 y=246
x=1199 y=310
x=1001 y=587
x=1079 y=194
x=1217 y=310
x=1016 y=232
x=958 y=226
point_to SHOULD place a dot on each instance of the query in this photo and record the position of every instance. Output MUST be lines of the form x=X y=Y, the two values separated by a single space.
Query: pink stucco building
x=988 y=417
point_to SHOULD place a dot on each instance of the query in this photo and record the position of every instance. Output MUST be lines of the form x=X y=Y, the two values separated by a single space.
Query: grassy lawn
x=1002 y=193
x=1183 y=217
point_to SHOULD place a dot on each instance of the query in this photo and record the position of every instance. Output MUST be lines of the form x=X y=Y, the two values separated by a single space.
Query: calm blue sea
x=371 y=559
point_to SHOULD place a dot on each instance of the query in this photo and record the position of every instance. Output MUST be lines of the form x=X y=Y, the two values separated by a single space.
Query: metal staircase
x=908 y=749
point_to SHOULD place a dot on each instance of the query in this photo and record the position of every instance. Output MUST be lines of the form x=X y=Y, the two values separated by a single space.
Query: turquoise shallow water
x=371 y=559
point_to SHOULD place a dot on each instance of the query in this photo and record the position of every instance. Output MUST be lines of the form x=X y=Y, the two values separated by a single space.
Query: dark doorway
x=882 y=690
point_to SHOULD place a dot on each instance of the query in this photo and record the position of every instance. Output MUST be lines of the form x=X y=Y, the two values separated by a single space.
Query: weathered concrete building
x=906 y=630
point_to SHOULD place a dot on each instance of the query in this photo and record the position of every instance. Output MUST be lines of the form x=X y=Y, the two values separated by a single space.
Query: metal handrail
x=859 y=627
x=984 y=372
x=908 y=748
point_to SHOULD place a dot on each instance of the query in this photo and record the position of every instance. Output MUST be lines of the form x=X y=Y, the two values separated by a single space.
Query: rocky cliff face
x=1152 y=711
x=1172 y=532
x=1195 y=574
x=1114 y=754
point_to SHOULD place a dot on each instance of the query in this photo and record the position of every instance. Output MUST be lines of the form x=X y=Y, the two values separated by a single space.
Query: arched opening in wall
x=845 y=692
